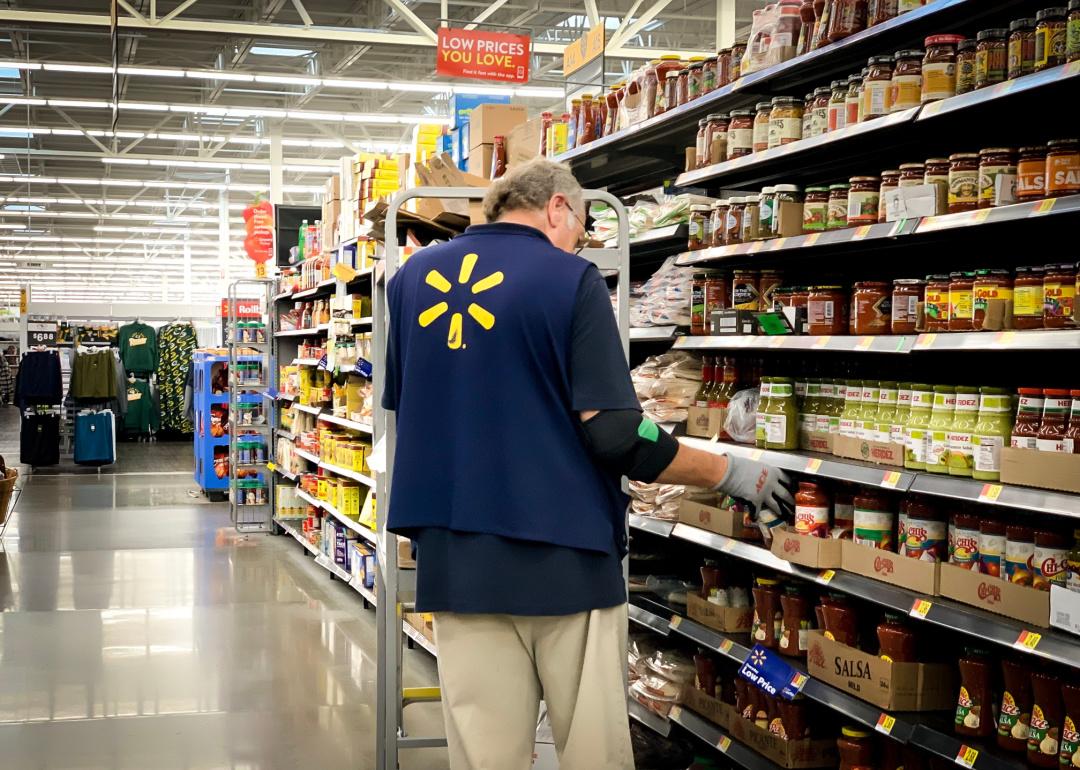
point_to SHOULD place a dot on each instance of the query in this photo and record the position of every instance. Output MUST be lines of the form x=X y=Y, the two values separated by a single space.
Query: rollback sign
x=501 y=56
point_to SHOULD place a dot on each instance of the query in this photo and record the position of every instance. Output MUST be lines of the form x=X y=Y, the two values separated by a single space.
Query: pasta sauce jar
x=740 y=140
x=939 y=67
x=863 y=200
x=1050 y=37
x=878 y=87
x=997 y=177
x=963 y=182
x=907 y=81
x=1059 y=296
x=906 y=294
x=1021 y=48
x=1062 y=168
x=890 y=180
x=836 y=217
x=990 y=286
x=815 y=209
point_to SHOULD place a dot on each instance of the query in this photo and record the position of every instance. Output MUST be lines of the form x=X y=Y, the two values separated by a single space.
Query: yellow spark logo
x=437 y=281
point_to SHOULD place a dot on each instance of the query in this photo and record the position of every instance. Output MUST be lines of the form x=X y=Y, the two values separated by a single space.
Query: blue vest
x=487 y=441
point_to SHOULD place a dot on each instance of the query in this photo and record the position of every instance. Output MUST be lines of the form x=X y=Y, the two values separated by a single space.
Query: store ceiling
x=78 y=190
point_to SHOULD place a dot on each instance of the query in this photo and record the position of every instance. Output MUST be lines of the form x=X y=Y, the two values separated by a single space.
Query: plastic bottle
x=941 y=417
x=811 y=406
x=915 y=428
x=301 y=247
x=781 y=416
x=903 y=410
x=959 y=442
x=763 y=407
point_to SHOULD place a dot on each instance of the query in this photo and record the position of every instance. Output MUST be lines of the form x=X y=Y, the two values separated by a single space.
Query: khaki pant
x=495 y=669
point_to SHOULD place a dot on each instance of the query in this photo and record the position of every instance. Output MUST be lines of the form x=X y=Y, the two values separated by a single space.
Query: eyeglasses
x=583 y=241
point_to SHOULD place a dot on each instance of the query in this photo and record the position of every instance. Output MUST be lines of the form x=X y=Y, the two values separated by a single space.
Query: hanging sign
x=473 y=53
x=583 y=50
x=41 y=333
x=259 y=225
x=771 y=673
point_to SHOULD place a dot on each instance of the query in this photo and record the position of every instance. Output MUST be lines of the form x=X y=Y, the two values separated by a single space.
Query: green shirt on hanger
x=138 y=347
x=142 y=410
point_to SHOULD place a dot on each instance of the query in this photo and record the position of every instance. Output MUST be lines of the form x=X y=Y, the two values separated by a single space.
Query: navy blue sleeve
x=392 y=379
x=599 y=373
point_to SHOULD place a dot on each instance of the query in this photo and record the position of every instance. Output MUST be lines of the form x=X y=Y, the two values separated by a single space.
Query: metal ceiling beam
x=625 y=22
x=593 y=13
x=413 y=20
x=486 y=13
x=633 y=29
x=127 y=7
x=92 y=155
x=304 y=15
x=178 y=10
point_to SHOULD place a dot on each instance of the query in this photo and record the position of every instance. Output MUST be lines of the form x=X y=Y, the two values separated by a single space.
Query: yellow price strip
x=924 y=341
x=729 y=545
x=981 y=215
x=756 y=454
x=814 y=465
x=921 y=608
x=1044 y=206
x=726 y=645
x=861 y=232
x=271 y=467
x=757 y=246
x=933 y=108
x=990 y=493
x=676 y=621
x=1004 y=338
x=1027 y=641
x=885 y=723
x=676 y=712
x=822 y=341
x=724 y=744
x=777 y=244
x=891 y=479
x=811 y=239
x=966 y=756
x=825 y=576
x=864 y=344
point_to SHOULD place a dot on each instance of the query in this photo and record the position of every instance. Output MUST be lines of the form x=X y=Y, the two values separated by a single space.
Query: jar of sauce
x=1062 y=167
x=939 y=67
x=768 y=613
x=840 y=620
x=1025 y=430
x=965 y=66
x=762 y=119
x=700 y=141
x=671 y=90
x=1055 y=415
x=991 y=57
x=697 y=312
x=717 y=291
x=906 y=81
x=936 y=303
x=1028 y=298
x=1043 y=745
x=1019 y=553
x=819 y=117
x=1031 y=174
x=695 y=80
x=815 y=209
x=856 y=749
x=1048 y=565
x=740 y=134
x=937 y=173
x=766 y=203
x=875 y=523
x=796 y=614
x=878 y=87
x=700 y=227
x=682 y=87
x=880 y=11
x=751 y=217
x=1059 y=296
x=896 y=642
x=863 y=200
x=1072 y=35
x=997 y=177
x=827 y=310
x=1014 y=716
x=768 y=283
x=737 y=53
x=708 y=75
x=852 y=100
x=719 y=220
x=836 y=216
x=1021 y=48
x=1070 y=691
x=785 y=193
x=716 y=138
x=925 y=532
x=961 y=302
x=744 y=290
x=837 y=112
x=1050 y=37
x=890 y=180
x=963 y=182
x=906 y=294
x=812 y=510
x=1072 y=433
x=873 y=311
x=734 y=226
x=990 y=285
x=723 y=67
x=846 y=18
x=975 y=708
x=913 y=174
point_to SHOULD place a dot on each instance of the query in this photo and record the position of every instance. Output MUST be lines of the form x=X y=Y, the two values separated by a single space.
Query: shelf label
x=864 y=343
x=1072 y=68
x=885 y=723
x=1045 y=206
x=675 y=713
x=891 y=479
x=933 y=108
x=771 y=674
x=775 y=342
x=779 y=243
x=814 y=465
x=1004 y=338
x=821 y=341
x=756 y=454
x=729 y=545
x=811 y=239
x=921 y=608
x=726 y=645
x=676 y=621
x=271 y=467
x=982 y=215
x=724 y=744
x=1027 y=641
x=825 y=576
x=343 y=272
x=861 y=232
x=898 y=227
x=1002 y=88
x=924 y=341
x=755 y=247
x=966 y=756
x=990 y=493
x=323 y=362
x=363 y=367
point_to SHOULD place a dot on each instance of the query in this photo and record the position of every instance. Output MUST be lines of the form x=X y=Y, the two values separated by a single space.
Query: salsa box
x=820 y=552
x=1046 y=470
x=729 y=620
x=703 y=422
x=816 y=441
x=722 y=521
x=996 y=595
x=868 y=451
x=889 y=567
x=887 y=685
x=713 y=709
x=803 y=753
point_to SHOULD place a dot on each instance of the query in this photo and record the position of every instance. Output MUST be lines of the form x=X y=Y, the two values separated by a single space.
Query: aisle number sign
x=583 y=50
x=473 y=53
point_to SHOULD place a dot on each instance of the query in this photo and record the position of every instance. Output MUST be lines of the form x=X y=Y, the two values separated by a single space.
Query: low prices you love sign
x=481 y=55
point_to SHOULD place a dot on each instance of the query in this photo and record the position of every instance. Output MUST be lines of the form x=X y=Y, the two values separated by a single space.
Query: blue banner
x=322 y=361
x=771 y=673
x=363 y=368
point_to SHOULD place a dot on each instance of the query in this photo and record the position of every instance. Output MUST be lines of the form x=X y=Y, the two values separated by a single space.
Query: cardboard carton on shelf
x=705 y=423
x=1065 y=609
x=730 y=620
x=889 y=567
x=703 y=704
x=887 y=685
x=996 y=595
x=479 y=161
x=1046 y=470
x=816 y=441
x=722 y=521
x=802 y=753
x=868 y=451
x=404 y=553
x=487 y=121
x=523 y=143
x=440 y=171
x=818 y=552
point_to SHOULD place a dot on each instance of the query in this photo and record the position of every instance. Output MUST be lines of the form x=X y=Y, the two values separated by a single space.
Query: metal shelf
x=1036 y=339
x=306 y=361
x=298 y=536
x=712 y=735
x=284 y=473
x=1037 y=500
x=348 y=472
x=365 y=321
x=285 y=434
x=419 y=638
x=345 y=423
x=306 y=455
x=643 y=617
x=314 y=330
x=885 y=343
x=316 y=410
x=650 y=719
x=308 y=498
x=951 y=748
x=319 y=288
x=653 y=334
x=653 y=526
x=351 y=523
x=659 y=242
x=326 y=563
x=1010 y=87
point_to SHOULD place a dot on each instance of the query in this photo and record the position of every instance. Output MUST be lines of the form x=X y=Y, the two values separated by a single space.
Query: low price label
x=769 y=672
x=363 y=367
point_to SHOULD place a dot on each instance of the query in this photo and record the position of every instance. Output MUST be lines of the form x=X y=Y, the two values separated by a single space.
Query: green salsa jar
x=888 y=396
x=852 y=413
x=922 y=399
x=937 y=435
x=993 y=429
x=868 y=410
x=762 y=410
x=903 y=409
x=959 y=442
x=782 y=416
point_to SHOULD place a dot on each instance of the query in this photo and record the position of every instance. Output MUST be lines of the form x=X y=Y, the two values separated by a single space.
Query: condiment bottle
x=991 y=57
x=765 y=393
x=875 y=523
x=960 y=444
x=915 y=429
x=840 y=620
x=1069 y=752
x=856 y=749
x=1028 y=296
x=1043 y=746
x=965 y=66
x=812 y=510
x=936 y=305
x=781 y=416
x=701 y=398
x=1019 y=554
x=761 y=125
x=992 y=286
x=878 y=87
x=1021 y=48
x=925 y=532
x=796 y=613
x=903 y=410
x=963 y=182
x=895 y=640
x=974 y=708
x=768 y=613
x=993 y=430
x=966 y=533
x=849 y=418
x=888 y=396
x=1048 y=563
x=1055 y=415
x=997 y=177
x=937 y=430
x=1014 y=716
x=868 y=411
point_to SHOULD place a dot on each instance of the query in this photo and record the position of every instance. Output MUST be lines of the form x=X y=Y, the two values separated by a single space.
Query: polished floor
x=140 y=632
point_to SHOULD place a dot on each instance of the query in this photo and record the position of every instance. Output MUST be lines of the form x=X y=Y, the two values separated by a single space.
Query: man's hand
x=761 y=485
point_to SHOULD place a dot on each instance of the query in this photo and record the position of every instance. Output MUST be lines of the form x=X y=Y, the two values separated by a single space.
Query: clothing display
x=93 y=374
x=176 y=343
x=38 y=380
x=138 y=347
x=142 y=414
x=7 y=381
x=95 y=438
x=39 y=439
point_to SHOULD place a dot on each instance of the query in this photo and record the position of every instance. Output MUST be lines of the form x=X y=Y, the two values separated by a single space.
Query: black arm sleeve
x=625 y=442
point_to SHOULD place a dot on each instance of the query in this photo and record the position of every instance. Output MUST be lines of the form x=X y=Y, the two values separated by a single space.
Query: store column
x=725 y=24
x=276 y=196
x=223 y=234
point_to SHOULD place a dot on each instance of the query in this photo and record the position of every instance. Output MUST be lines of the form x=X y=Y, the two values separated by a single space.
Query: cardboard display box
x=996 y=595
x=479 y=161
x=713 y=709
x=523 y=143
x=814 y=441
x=1045 y=470
x=487 y=121
x=729 y=620
x=868 y=451
x=722 y=521
x=440 y=171
x=805 y=753
x=1065 y=609
x=820 y=552
x=705 y=423
x=889 y=567
x=891 y=686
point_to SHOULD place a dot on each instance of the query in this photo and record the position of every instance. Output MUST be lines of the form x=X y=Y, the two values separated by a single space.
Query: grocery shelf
x=953 y=748
x=653 y=526
x=884 y=343
x=349 y=522
x=320 y=288
x=284 y=473
x=354 y=475
x=1015 y=87
x=306 y=361
x=316 y=410
x=307 y=456
x=650 y=719
x=1036 y=339
x=297 y=535
x=345 y=423
x=712 y=735
x=314 y=330
x=285 y=434
x=1010 y=496
x=309 y=498
x=325 y=562
x=365 y=321
x=653 y=622
x=659 y=242
x=419 y=638
x=653 y=334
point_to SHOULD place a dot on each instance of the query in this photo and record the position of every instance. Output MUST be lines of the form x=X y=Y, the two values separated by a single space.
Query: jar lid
x=763 y=106
x=768 y=190
x=1020 y=24
x=696 y=59
x=839 y=187
x=1029 y=269
x=936 y=160
x=854 y=732
x=1040 y=150
x=943 y=40
x=696 y=65
x=890 y=173
x=1062 y=143
x=912 y=166
x=720 y=204
x=717 y=116
x=937 y=278
x=871 y=285
x=874 y=60
x=700 y=276
x=1074 y=5
x=710 y=59
x=736 y=200
x=723 y=52
x=764 y=581
x=782 y=100
x=793 y=188
x=837 y=83
x=992 y=33
x=966 y=45
x=963 y=156
x=700 y=207
x=997 y=151
x=817 y=188
x=670 y=57
x=826 y=288
x=752 y=199
x=860 y=179
x=823 y=90
x=703 y=122
x=911 y=53
x=908 y=282
x=1050 y=13
x=742 y=113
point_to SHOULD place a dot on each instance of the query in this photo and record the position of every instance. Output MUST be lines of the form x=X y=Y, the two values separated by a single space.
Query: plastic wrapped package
x=671 y=665
x=656 y=693
x=741 y=420
x=645 y=492
x=671 y=590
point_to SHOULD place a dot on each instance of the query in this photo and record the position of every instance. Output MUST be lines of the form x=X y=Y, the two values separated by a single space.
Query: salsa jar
x=1050 y=37
x=847 y=17
x=768 y=613
x=878 y=87
x=837 y=114
x=856 y=749
x=723 y=67
x=991 y=57
x=1044 y=735
x=719 y=221
x=873 y=307
x=863 y=200
x=815 y=209
x=708 y=75
x=836 y=217
x=744 y=290
x=717 y=291
x=975 y=707
x=682 y=88
x=694 y=81
x=1014 y=716
x=912 y=174
x=1031 y=174
x=936 y=303
x=961 y=302
x=762 y=121
x=896 y=642
x=1059 y=296
x=740 y=140
x=965 y=66
x=734 y=226
x=737 y=52
x=875 y=523
x=1021 y=48
x=997 y=177
x=990 y=285
x=700 y=227
x=906 y=295
x=826 y=310
x=852 y=100
x=785 y=121
x=963 y=182
x=1062 y=167
x=699 y=143
x=812 y=510
x=751 y=220
x=795 y=624
x=907 y=81
x=880 y=11
x=1028 y=298
x=890 y=180
x=937 y=174
x=671 y=91
x=939 y=67
x=819 y=119
x=716 y=138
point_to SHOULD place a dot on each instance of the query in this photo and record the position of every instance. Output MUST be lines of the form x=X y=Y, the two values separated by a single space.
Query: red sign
x=465 y=53
x=245 y=308
x=259 y=226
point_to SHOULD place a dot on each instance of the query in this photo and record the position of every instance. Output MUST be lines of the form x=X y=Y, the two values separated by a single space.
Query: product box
x=1046 y=470
x=815 y=441
x=891 y=686
x=729 y=620
x=479 y=160
x=924 y=200
x=705 y=423
x=789 y=219
x=732 y=322
x=722 y=521
x=523 y=143
x=819 y=552
x=332 y=188
x=1065 y=609
x=805 y=753
x=868 y=451
x=713 y=709
x=490 y=120
x=996 y=595
x=405 y=558
x=417 y=621
x=889 y=567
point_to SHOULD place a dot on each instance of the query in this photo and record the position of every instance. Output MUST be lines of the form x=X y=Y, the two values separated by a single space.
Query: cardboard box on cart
x=440 y=171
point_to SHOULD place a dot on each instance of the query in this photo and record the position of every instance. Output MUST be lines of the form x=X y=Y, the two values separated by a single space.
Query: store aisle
x=139 y=631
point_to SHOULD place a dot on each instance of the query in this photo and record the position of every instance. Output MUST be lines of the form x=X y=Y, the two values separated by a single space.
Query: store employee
x=516 y=418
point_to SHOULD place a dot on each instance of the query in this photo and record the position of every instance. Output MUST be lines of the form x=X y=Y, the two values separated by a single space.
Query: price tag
x=729 y=545
x=757 y=454
x=825 y=576
x=891 y=479
x=812 y=239
x=1003 y=88
x=39 y=333
x=981 y=215
x=861 y=232
x=1072 y=68
x=864 y=343
x=1027 y=641
x=924 y=341
x=822 y=341
x=675 y=713
x=343 y=272
x=885 y=723
x=966 y=756
x=757 y=246
x=1045 y=206
x=813 y=466
x=776 y=342
x=676 y=621
x=898 y=227
x=726 y=645
x=990 y=493
x=271 y=467
x=724 y=744
x=933 y=108
x=322 y=362
x=363 y=367
x=777 y=244
x=1004 y=338
x=921 y=608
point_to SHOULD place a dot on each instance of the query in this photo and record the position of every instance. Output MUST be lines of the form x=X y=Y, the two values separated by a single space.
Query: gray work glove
x=759 y=484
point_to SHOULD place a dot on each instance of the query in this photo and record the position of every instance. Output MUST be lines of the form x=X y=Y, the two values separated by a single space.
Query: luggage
x=95 y=438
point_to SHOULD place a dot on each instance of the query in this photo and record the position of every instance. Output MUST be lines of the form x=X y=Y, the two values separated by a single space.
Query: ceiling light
x=269 y=50
x=288 y=80
x=95 y=68
x=152 y=72
x=434 y=88
x=362 y=85
x=239 y=77
x=85 y=103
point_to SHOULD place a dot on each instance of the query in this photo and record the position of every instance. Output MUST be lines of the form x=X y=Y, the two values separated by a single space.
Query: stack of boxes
x=457 y=141
x=331 y=211
x=363 y=179
x=487 y=121
x=345 y=451
x=426 y=140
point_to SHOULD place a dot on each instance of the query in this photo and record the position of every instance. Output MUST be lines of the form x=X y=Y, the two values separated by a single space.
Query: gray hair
x=529 y=187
